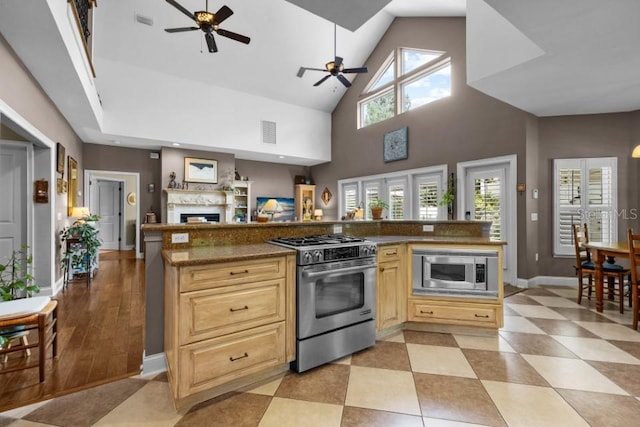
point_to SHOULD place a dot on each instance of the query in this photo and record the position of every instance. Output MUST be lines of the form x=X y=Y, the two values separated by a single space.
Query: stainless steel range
x=335 y=295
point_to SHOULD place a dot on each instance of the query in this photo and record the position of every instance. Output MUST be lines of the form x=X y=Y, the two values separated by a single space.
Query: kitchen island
x=178 y=254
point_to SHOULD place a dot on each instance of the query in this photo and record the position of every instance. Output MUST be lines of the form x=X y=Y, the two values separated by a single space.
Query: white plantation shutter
x=371 y=191
x=398 y=198
x=585 y=192
x=488 y=203
x=428 y=190
x=350 y=192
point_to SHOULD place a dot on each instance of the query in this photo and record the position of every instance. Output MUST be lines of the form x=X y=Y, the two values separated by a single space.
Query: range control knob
x=317 y=256
x=368 y=250
x=307 y=258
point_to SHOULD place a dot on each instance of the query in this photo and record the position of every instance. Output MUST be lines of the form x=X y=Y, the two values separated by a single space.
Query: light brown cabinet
x=227 y=325
x=391 y=297
x=305 y=197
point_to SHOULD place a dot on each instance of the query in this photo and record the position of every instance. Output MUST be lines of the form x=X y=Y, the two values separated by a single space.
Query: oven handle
x=311 y=274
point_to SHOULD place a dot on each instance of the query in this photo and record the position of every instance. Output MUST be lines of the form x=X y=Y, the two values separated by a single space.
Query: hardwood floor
x=100 y=335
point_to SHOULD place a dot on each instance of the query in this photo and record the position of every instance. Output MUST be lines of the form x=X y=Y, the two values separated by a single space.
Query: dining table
x=602 y=251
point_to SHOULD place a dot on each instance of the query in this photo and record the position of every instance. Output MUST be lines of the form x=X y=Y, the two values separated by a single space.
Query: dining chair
x=586 y=269
x=634 y=262
x=37 y=314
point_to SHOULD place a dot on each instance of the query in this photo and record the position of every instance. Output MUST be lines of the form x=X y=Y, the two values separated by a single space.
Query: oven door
x=334 y=295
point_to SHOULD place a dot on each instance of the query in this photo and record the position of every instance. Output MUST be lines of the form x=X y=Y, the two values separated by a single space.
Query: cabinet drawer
x=389 y=253
x=216 y=361
x=230 y=273
x=452 y=313
x=220 y=311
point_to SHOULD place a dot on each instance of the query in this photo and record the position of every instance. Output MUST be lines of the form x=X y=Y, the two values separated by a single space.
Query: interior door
x=109 y=207
x=13 y=209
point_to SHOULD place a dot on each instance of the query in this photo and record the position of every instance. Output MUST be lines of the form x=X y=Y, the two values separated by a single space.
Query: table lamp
x=317 y=214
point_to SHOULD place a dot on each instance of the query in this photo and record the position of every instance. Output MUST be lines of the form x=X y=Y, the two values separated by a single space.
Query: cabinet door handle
x=486 y=316
x=239 y=309
x=381 y=269
x=233 y=273
x=392 y=253
x=426 y=312
x=233 y=359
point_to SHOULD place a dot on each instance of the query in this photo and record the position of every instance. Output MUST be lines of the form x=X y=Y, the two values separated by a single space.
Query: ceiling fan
x=334 y=68
x=209 y=23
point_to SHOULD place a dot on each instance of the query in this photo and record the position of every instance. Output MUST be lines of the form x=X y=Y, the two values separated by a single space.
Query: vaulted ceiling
x=153 y=88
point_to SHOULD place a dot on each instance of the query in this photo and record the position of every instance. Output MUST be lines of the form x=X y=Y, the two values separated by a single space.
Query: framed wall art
x=60 y=152
x=395 y=145
x=72 y=191
x=200 y=170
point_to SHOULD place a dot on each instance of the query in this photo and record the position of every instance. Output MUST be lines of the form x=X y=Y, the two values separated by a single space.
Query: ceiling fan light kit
x=209 y=23
x=334 y=68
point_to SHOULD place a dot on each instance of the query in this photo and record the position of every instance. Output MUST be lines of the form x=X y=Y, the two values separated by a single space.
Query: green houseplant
x=87 y=236
x=377 y=205
x=16 y=282
x=449 y=196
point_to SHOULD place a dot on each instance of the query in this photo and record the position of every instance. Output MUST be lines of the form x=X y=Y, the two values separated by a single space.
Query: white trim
x=154 y=364
x=548 y=280
x=511 y=204
x=105 y=174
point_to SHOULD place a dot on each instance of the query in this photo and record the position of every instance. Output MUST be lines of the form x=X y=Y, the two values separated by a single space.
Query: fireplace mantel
x=199 y=201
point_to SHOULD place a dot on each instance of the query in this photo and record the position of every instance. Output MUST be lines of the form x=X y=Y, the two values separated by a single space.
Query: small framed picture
x=200 y=170
x=60 y=158
x=395 y=145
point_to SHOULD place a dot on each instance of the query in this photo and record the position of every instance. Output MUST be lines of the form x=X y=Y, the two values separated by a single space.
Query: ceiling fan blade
x=237 y=37
x=179 y=30
x=211 y=43
x=344 y=80
x=181 y=9
x=315 y=69
x=319 y=82
x=338 y=62
x=223 y=13
x=356 y=70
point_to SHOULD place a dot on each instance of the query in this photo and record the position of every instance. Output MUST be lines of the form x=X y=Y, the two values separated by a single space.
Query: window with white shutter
x=396 y=189
x=371 y=191
x=488 y=204
x=350 y=195
x=584 y=192
x=428 y=191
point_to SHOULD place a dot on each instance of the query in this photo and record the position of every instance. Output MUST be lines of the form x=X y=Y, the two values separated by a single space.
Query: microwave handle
x=312 y=274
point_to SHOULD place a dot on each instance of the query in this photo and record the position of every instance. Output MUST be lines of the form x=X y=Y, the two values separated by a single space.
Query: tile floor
x=555 y=363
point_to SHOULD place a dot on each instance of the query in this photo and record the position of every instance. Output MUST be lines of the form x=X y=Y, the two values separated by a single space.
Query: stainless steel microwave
x=455 y=272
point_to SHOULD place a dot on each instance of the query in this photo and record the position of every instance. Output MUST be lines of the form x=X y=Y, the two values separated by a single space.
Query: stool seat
x=23 y=306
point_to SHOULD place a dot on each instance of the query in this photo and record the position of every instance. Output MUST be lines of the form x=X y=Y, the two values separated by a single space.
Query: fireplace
x=209 y=217
x=210 y=204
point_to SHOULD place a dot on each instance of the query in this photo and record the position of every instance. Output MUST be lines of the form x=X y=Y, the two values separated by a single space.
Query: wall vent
x=268 y=132
x=144 y=20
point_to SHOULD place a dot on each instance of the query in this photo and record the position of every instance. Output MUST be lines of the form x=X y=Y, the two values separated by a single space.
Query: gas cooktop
x=322 y=239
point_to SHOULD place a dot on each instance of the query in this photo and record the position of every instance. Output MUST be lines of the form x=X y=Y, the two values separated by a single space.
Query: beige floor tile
x=435 y=422
x=532 y=406
x=295 y=413
x=431 y=359
x=520 y=324
x=267 y=389
x=573 y=374
x=538 y=311
x=496 y=343
x=26 y=423
x=150 y=406
x=399 y=337
x=558 y=301
x=382 y=389
x=624 y=319
x=343 y=361
x=596 y=349
x=611 y=331
x=23 y=410
x=571 y=293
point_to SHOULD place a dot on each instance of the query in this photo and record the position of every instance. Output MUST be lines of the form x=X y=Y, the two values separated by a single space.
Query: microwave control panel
x=480 y=273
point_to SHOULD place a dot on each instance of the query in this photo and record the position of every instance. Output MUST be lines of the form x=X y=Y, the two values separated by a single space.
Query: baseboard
x=153 y=365
x=548 y=280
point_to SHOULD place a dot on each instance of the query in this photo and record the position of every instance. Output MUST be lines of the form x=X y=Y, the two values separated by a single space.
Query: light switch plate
x=534 y=216
x=337 y=228
x=180 y=238
x=428 y=227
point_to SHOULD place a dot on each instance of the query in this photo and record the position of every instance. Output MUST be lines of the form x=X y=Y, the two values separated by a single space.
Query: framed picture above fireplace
x=200 y=170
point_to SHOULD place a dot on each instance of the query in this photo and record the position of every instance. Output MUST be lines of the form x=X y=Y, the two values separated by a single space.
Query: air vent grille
x=268 y=132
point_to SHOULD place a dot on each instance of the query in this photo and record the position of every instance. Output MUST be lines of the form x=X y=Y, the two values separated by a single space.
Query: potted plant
x=377 y=205
x=449 y=196
x=84 y=231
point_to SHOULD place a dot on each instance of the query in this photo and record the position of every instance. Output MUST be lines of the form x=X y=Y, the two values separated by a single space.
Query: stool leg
x=621 y=291
x=42 y=345
x=25 y=342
